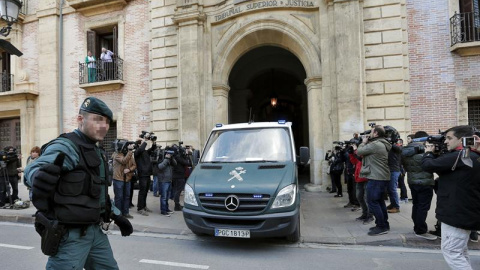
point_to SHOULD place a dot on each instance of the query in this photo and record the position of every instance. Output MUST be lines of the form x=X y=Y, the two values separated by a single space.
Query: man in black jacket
x=9 y=175
x=394 y=164
x=421 y=186
x=458 y=207
x=183 y=158
x=144 y=171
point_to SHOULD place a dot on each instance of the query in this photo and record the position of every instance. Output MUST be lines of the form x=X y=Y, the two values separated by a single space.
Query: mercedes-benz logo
x=232 y=202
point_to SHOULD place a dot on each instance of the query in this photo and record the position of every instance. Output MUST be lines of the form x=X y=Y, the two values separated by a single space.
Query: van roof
x=253 y=125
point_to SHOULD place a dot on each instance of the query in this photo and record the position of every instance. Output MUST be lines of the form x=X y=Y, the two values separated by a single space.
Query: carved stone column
x=349 y=66
x=191 y=93
x=316 y=135
x=220 y=97
x=48 y=103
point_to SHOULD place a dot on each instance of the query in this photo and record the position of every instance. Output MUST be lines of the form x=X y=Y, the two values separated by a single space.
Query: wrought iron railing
x=101 y=71
x=7 y=82
x=465 y=27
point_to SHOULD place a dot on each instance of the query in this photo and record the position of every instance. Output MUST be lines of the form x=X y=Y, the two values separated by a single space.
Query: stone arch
x=257 y=32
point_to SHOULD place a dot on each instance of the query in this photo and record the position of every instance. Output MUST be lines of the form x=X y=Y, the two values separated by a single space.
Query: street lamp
x=9 y=10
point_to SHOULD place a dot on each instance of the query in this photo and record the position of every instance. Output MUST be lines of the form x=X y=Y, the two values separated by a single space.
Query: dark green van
x=246 y=183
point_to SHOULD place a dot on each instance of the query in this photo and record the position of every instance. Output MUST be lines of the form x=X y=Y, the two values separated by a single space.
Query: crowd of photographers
x=378 y=162
x=137 y=161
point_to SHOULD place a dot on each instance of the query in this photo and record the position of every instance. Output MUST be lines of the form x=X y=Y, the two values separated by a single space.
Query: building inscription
x=251 y=6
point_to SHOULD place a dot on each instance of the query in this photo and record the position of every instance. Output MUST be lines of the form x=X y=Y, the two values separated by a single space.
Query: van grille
x=248 y=203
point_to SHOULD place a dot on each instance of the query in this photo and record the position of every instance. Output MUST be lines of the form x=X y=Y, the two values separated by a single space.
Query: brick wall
x=132 y=101
x=432 y=66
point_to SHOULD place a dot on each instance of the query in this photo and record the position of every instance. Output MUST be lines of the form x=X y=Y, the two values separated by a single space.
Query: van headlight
x=189 y=197
x=286 y=197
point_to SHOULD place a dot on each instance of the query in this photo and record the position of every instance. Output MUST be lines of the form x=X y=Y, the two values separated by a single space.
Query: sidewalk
x=323 y=220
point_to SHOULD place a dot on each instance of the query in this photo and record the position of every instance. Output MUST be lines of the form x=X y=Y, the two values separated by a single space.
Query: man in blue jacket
x=458 y=207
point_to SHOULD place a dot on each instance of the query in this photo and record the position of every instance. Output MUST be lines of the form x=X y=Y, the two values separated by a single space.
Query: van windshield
x=249 y=145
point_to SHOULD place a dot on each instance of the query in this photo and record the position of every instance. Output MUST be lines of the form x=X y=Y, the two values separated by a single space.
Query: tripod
x=6 y=179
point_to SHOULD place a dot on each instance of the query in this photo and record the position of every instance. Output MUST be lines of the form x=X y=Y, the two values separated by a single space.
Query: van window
x=249 y=145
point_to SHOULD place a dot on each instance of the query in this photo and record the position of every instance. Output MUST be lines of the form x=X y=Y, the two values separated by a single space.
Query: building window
x=474 y=113
x=465 y=26
x=109 y=138
x=5 y=73
x=99 y=70
x=10 y=134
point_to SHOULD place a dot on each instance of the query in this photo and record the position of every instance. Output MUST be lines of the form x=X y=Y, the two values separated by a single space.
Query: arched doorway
x=279 y=37
x=267 y=85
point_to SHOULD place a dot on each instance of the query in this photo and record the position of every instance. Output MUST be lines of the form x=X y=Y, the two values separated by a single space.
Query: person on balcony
x=107 y=60
x=91 y=66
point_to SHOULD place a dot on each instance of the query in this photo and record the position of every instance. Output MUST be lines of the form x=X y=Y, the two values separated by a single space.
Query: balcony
x=99 y=76
x=94 y=7
x=24 y=90
x=465 y=33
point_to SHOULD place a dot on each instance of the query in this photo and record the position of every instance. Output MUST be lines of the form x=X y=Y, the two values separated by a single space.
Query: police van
x=246 y=183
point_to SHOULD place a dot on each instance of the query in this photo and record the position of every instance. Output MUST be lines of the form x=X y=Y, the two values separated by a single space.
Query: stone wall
x=163 y=71
x=386 y=64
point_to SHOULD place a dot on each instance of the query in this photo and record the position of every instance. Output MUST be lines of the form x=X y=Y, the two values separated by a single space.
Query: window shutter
x=476 y=13
x=91 y=42
x=115 y=41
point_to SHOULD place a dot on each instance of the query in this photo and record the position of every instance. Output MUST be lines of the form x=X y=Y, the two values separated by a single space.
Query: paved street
x=21 y=245
x=323 y=220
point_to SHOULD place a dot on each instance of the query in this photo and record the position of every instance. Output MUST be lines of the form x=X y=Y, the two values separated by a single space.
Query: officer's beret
x=96 y=106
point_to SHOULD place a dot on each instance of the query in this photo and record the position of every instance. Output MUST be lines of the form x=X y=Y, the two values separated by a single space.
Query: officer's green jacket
x=63 y=145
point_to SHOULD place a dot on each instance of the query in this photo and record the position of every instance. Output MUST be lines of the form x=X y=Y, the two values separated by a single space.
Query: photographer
x=349 y=174
x=337 y=161
x=9 y=175
x=458 y=207
x=421 y=186
x=165 y=176
x=395 y=165
x=374 y=150
x=183 y=157
x=123 y=167
x=144 y=169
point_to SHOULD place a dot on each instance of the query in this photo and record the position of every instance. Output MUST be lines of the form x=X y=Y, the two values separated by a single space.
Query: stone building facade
x=329 y=66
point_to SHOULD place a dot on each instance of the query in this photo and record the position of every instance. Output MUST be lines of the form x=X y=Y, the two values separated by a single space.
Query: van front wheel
x=295 y=236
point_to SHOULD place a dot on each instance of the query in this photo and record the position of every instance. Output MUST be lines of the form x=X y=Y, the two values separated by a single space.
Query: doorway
x=267 y=85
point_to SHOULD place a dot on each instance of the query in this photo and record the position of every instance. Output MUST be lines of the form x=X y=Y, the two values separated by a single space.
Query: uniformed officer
x=70 y=186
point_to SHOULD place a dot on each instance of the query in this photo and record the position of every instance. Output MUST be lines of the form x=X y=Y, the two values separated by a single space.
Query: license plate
x=232 y=233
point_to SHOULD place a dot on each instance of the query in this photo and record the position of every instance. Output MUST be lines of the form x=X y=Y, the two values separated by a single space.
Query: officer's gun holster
x=51 y=233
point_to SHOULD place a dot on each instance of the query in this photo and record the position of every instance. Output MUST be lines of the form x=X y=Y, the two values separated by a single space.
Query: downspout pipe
x=60 y=70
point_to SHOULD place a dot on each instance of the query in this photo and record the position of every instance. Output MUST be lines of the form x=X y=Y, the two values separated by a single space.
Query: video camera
x=391 y=134
x=437 y=140
x=7 y=156
x=151 y=136
x=121 y=145
x=347 y=145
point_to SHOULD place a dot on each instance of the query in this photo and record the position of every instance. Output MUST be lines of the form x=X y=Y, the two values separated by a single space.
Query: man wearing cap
x=70 y=186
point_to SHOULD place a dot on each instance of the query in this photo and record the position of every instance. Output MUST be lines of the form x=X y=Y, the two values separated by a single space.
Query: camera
x=121 y=145
x=391 y=134
x=7 y=156
x=151 y=136
x=468 y=141
x=372 y=124
x=437 y=140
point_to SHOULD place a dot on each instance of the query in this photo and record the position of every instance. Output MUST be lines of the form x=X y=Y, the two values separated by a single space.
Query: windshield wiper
x=261 y=161
x=218 y=162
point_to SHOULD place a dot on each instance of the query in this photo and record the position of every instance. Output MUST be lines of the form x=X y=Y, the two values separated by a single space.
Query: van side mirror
x=304 y=156
x=195 y=157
